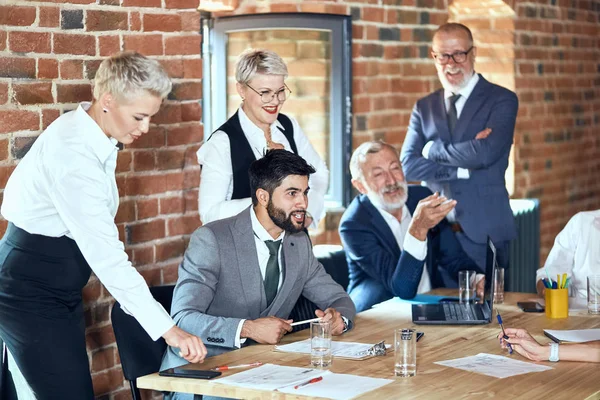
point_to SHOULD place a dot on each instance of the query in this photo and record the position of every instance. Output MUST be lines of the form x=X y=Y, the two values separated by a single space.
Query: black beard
x=284 y=222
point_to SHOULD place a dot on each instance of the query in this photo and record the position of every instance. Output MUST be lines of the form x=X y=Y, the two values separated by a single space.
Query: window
x=317 y=51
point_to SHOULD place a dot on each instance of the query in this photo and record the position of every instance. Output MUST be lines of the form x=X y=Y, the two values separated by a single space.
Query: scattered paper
x=494 y=365
x=350 y=350
x=577 y=336
x=284 y=379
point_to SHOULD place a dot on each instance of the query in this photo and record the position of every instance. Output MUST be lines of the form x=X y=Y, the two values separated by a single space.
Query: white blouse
x=65 y=185
x=576 y=252
x=216 y=182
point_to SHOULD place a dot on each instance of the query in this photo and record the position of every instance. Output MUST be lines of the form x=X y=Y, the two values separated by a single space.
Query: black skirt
x=41 y=312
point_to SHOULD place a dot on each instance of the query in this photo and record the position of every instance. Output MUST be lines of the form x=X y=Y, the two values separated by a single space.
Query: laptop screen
x=491 y=265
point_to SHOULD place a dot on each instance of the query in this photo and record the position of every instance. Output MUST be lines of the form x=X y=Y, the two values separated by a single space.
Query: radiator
x=524 y=258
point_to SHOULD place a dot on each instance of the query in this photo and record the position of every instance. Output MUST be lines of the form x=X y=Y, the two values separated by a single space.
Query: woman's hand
x=190 y=347
x=524 y=344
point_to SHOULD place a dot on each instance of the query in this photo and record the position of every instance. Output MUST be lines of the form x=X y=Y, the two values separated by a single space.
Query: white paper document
x=285 y=379
x=578 y=336
x=494 y=365
x=338 y=349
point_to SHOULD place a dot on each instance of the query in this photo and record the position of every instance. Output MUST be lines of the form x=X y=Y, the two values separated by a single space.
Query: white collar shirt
x=464 y=94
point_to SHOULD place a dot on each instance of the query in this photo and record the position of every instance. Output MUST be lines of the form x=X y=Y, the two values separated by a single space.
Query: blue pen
x=504 y=335
x=554 y=285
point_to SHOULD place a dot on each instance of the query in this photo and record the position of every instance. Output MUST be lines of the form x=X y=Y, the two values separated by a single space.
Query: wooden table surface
x=572 y=380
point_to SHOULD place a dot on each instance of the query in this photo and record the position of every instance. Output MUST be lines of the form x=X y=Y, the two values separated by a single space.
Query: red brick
x=191 y=178
x=143 y=255
x=47 y=68
x=144 y=161
x=17 y=16
x=147 y=208
x=143 y=185
x=91 y=67
x=183 y=225
x=171 y=205
x=191 y=112
x=162 y=22
x=183 y=135
x=76 y=93
x=18 y=120
x=109 y=45
x=145 y=44
x=71 y=69
x=152 y=275
x=92 y=291
x=126 y=212
x=190 y=21
x=49 y=17
x=135 y=21
x=97 y=20
x=154 y=138
x=142 y=3
x=124 y=161
x=26 y=42
x=191 y=158
x=3 y=36
x=17 y=67
x=3 y=93
x=74 y=44
x=183 y=45
x=145 y=231
x=170 y=273
x=5 y=171
x=171 y=249
x=170 y=159
x=174 y=181
x=168 y=114
x=4 y=143
x=103 y=359
x=34 y=93
x=107 y=381
x=173 y=67
x=191 y=200
x=186 y=91
x=192 y=69
x=48 y=116
x=183 y=4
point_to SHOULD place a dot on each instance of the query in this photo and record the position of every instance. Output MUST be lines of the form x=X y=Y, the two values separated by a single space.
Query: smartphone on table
x=530 y=306
x=189 y=373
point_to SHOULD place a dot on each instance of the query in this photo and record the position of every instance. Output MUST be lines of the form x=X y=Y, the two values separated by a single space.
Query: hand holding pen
x=504 y=335
x=524 y=344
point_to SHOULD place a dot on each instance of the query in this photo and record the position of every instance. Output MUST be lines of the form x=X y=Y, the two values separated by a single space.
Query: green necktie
x=272 y=272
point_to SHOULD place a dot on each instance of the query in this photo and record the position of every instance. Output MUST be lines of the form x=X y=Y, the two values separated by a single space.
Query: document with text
x=494 y=365
x=350 y=350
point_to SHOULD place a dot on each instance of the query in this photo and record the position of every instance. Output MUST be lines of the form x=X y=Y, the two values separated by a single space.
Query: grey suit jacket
x=220 y=284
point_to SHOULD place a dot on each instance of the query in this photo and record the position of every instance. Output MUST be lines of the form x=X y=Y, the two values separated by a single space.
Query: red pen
x=313 y=380
x=227 y=367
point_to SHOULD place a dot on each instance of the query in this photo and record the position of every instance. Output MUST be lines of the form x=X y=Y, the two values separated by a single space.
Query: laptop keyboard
x=458 y=312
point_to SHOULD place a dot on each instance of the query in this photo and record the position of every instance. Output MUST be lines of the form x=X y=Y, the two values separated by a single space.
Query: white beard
x=454 y=88
x=378 y=200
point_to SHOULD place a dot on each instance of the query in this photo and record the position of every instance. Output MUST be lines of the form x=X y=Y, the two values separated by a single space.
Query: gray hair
x=361 y=152
x=259 y=61
x=452 y=27
x=128 y=75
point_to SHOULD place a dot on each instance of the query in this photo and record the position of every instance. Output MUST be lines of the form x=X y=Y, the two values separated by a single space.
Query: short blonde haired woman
x=60 y=202
x=257 y=125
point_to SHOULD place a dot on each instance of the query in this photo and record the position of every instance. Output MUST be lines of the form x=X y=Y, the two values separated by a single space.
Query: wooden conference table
x=572 y=380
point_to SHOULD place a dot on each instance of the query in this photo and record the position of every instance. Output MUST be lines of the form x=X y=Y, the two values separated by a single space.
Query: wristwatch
x=346 y=322
x=553 y=352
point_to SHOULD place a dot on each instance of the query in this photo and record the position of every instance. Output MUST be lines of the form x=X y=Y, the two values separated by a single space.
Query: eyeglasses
x=267 y=96
x=459 y=57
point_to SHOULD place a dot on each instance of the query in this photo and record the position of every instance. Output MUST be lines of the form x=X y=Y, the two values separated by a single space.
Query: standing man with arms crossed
x=458 y=143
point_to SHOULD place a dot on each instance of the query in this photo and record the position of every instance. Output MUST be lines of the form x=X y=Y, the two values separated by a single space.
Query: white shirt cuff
x=463 y=173
x=415 y=247
x=426 y=149
x=238 y=340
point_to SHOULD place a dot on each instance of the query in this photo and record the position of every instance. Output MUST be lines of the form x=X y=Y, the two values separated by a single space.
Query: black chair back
x=139 y=354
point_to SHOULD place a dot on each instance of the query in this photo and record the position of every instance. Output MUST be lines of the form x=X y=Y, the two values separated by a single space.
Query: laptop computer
x=461 y=314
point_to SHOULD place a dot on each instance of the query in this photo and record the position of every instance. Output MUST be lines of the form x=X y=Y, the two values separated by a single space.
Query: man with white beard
x=396 y=239
x=458 y=143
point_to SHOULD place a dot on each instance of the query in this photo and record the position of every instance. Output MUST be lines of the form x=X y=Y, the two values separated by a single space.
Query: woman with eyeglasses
x=257 y=126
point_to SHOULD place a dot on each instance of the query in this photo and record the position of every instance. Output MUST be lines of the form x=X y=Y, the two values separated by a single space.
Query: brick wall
x=50 y=49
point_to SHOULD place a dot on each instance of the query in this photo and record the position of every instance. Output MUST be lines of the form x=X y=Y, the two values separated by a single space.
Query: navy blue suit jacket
x=379 y=270
x=483 y=206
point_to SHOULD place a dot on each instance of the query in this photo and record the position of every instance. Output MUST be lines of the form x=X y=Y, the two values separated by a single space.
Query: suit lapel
x=381 y=227
x=247 y=257
x=441 y=123
x=473 y=104
x=291 y=264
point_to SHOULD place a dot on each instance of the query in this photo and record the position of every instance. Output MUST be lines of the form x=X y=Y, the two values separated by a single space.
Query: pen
x=504 y=335
x=306 y=321
x=313 y=380
x=227 y=367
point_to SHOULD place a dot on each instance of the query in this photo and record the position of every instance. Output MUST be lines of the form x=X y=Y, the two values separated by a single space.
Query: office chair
x=140 y=355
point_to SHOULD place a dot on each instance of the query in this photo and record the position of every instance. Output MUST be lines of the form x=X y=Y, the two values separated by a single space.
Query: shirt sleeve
x=319 y=181
x=562 y=255
x=80 y=195
x=416 y=248
x=214 y=199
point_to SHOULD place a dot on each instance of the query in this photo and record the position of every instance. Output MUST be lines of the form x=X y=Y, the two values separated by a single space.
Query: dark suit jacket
x=379 y=270
x=483 y=208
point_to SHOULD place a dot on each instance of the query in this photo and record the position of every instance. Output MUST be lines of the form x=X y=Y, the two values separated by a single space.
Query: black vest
x=241 y=152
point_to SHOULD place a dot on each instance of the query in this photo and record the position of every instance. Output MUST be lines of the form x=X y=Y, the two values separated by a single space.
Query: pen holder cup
x=557 y=303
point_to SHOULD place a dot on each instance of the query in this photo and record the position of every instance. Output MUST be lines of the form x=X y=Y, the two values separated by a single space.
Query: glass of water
x=405 y=350
x=499 y=285
x=593 y=294
x=320 y=344
x=466 y=286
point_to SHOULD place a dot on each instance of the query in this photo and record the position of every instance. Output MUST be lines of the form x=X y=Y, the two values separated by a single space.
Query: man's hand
x=334 y=318
x=190 y=347
x=268 y=330
x=483 y=134
x=429 y=212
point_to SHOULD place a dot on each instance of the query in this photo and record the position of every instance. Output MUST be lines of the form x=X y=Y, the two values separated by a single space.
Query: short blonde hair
x=128 y=75
x=259 y=61
x=361 y=152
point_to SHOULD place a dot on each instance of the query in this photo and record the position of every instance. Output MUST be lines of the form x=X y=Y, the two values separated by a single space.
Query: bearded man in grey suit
x=241 y=276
